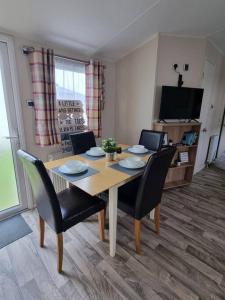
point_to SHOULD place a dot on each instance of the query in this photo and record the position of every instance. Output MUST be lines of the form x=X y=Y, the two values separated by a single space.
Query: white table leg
x=152 y=214
x=113 y=198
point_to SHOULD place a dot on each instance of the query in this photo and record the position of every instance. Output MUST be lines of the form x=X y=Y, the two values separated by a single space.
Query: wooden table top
x=102 y=181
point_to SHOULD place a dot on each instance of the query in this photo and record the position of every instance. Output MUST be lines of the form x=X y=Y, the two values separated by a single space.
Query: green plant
x=109 y=145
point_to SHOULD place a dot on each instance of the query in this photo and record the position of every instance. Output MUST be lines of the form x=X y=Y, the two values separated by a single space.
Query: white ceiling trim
x=152 y=37
x=112 y=29
x=213 y=43
x=206 y=37
x=179 y=35
x=215 y=32
x=130 y=24
x=216 y=46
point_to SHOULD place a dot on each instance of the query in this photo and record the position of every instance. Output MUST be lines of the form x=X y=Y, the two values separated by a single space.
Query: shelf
x=187 y=165
x=181 y=148
x=178 y=124
x=179 y=175
x=173 y=184
x=186 y=146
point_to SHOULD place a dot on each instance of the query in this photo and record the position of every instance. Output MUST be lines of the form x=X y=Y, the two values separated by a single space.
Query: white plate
x=73 y=167
x=137 y=150
x=96 y=149
x=95 y=153
x=132 y=163
x=138 y=146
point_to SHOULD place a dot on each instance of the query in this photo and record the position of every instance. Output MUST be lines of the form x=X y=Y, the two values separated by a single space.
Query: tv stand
x=179 y=121
x=196 y=121
x=163 y=121
x=193 y=120
x=180 y=175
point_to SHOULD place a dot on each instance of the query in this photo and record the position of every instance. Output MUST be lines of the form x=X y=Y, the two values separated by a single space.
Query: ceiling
x=111 y=28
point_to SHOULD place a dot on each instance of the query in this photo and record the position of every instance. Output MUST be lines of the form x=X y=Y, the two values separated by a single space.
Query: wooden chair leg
x=157 y=219
x=101 y=224
x=137 y=235
x=105 y=210
x=42 y=231
x=60 y=251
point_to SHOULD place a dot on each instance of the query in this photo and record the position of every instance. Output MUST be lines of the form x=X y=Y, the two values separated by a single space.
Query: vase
x=110 y=156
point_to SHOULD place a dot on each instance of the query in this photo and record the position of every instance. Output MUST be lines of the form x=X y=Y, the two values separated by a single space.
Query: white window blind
x=70 y=94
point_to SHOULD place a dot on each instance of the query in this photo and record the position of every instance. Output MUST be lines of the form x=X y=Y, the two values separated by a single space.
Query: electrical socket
x=186 y=67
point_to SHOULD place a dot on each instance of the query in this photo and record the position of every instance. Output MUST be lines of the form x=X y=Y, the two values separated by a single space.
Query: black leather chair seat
x=127 y=195
x=76 y=206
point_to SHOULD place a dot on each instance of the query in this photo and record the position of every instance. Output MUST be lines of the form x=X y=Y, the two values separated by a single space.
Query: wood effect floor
x=187 y=260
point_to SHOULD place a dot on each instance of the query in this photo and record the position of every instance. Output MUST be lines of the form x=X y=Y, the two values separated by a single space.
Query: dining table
x=108 y=176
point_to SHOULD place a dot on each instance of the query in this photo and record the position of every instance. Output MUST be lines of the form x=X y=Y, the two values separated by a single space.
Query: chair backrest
x=43 y=190
x=83 y=141
x=152 y=140
x=152 y=181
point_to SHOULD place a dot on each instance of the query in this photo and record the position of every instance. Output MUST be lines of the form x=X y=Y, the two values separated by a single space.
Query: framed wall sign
x=71 y=120
x=184 y=157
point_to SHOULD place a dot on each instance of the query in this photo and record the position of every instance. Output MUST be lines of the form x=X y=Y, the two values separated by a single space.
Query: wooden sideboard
x=180 y=175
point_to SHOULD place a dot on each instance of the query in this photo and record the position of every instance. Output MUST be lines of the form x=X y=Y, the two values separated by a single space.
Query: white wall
x=193 y=51
x=216 y=58
x=178 y=50
x=108 y=115
x=135 y=90
x=131 y=103
x=218 y=90
x=139 y=82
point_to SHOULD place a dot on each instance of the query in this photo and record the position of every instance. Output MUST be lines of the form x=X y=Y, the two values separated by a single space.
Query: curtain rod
x=27 y=50
x=86 y=62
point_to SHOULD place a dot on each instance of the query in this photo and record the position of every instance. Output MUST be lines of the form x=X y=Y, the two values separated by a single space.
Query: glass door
x=12 y=182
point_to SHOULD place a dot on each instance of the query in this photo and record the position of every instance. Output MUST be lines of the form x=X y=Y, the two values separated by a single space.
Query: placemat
x=91 y=157
x=75 y=177
x=150 y=152
x=130 y=172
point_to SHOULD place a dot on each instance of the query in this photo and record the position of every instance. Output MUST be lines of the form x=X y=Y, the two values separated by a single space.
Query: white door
x=221 y=149
x=12 y=182
x=205 y=116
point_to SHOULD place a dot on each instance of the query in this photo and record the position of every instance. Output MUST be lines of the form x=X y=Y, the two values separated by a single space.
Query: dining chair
x=151 y=139
x=138 y=197
x=60 y=211
x=83 y=141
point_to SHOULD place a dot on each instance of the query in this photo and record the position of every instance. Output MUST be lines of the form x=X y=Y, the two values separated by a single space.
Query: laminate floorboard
x=186 y=261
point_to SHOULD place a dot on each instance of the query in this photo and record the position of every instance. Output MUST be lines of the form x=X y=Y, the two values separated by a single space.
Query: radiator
x=212 y=149
x=58 y=182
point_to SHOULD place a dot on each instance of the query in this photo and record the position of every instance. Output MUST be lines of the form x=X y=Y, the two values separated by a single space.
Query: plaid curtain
x=94 y=96
x=43 y=82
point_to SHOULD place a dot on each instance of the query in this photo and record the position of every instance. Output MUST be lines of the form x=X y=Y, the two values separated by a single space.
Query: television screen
x=180 y=103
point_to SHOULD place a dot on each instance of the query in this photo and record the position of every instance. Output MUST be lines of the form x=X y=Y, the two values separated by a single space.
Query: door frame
x=27 y=199
x=198 y=166
x=221 y=131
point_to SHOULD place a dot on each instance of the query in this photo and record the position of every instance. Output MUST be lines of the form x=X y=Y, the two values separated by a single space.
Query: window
x=70 y=95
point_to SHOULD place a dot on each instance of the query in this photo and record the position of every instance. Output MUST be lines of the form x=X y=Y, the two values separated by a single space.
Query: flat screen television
x=180 y=103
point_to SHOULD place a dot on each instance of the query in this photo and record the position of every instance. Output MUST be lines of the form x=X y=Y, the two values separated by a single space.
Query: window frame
x=70 y=106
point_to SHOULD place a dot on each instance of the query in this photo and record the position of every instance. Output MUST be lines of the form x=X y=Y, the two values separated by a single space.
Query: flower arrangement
x=109 y=145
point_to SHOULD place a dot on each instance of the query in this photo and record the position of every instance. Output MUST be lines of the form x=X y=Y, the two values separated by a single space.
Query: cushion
x=76 y=206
